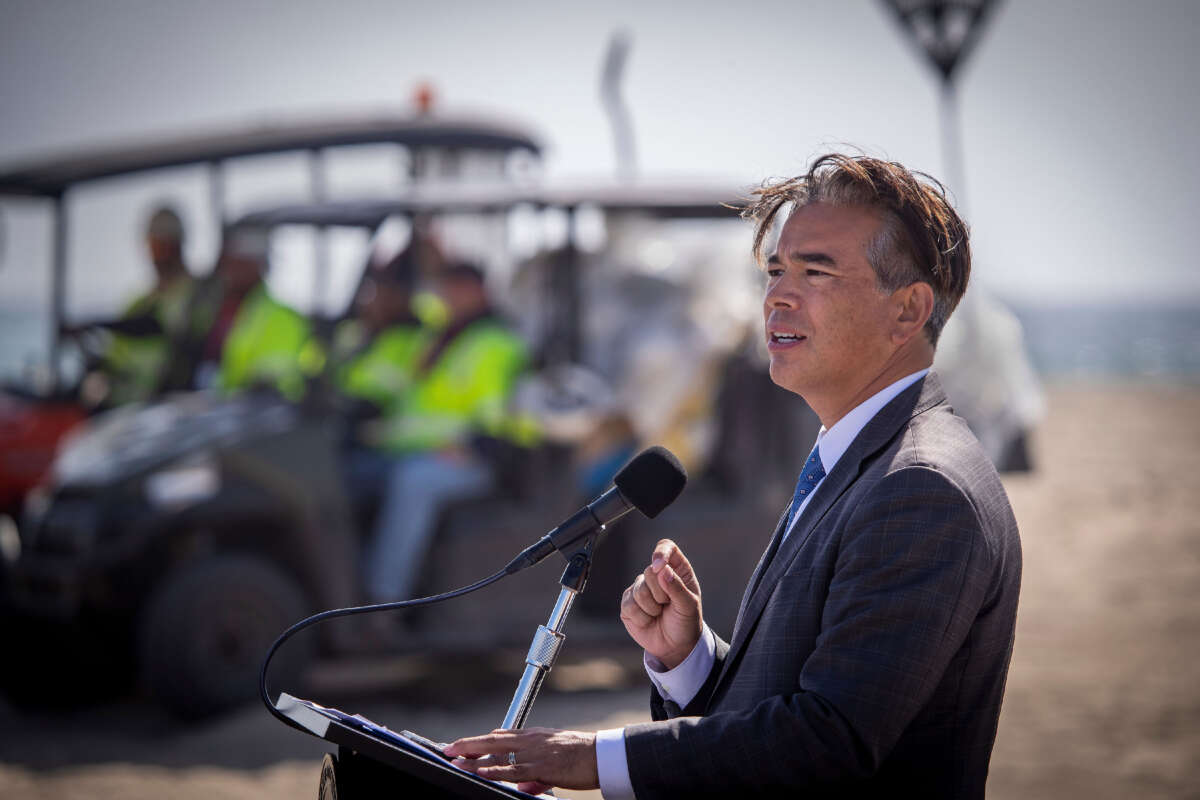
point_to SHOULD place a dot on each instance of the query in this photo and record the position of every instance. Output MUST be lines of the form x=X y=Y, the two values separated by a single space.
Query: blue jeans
x=418 y=488
x=366 y=473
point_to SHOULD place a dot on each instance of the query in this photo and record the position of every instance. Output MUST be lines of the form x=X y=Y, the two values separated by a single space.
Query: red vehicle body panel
x=30 y=431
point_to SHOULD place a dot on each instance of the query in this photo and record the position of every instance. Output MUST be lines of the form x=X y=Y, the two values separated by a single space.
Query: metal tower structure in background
x=946 y=31
x=611 y=75
x=983 y=363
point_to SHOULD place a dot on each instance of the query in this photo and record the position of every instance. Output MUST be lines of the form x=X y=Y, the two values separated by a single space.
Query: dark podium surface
x=373 y=760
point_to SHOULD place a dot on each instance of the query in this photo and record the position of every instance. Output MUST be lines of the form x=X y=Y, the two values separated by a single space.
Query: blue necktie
x=810 y=476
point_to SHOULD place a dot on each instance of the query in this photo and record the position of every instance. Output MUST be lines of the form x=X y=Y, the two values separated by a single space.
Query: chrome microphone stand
x=548 y=639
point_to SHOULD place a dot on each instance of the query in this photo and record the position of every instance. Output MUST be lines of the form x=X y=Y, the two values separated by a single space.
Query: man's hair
x=247 y=241
x=920 y=237
x=164 y=223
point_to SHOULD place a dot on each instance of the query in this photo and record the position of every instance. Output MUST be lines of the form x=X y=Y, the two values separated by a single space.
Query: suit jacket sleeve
x=911 y=574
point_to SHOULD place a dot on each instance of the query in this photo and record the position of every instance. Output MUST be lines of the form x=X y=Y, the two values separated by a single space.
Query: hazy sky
x=1079 y=118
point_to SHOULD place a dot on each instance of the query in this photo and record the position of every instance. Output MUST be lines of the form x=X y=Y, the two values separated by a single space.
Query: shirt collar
x=832 y=443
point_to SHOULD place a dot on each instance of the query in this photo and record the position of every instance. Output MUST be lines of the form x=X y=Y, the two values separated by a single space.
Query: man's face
x=163 y=252
x=462 y=296
x=828 y=325
x=379 y=303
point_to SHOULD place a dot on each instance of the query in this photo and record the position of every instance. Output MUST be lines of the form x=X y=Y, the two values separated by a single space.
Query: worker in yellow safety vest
x=263 y=343
x=374 y=354
x=237 y=335
x=372 y=363
x=458 y=405
x=135 y=346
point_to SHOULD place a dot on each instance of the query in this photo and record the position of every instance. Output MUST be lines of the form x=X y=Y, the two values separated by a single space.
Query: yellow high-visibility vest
x=382 y=370
x=268 y=343
x=466 y=391
x=134 y=364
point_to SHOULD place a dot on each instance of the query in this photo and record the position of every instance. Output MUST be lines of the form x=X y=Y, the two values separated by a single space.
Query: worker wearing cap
x=236 y=335
x=453 y=417
x=137 y=346
x=374 y=353
x=265 y=342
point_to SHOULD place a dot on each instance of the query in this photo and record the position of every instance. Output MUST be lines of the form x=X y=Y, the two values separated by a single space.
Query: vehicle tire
x=206 y=629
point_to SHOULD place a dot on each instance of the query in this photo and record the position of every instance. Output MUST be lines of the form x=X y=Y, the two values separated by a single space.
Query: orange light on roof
x=423 y=98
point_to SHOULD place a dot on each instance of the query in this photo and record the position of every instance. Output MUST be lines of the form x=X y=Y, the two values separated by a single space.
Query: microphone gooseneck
x=648 y=483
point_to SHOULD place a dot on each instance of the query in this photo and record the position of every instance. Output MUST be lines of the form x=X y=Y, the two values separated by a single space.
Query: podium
x=373 y=761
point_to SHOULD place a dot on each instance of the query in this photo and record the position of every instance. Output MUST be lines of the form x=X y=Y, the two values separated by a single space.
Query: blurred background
x=580 y=156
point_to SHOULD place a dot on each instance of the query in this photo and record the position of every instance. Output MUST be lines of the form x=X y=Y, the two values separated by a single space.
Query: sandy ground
x=1103 y=697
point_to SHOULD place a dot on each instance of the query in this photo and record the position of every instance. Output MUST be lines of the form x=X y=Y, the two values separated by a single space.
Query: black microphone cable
x=345 y=612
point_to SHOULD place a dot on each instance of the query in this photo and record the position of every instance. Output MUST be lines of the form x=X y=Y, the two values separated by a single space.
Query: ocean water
x=1149 y=342
x=1063 y=342
x=24 y=342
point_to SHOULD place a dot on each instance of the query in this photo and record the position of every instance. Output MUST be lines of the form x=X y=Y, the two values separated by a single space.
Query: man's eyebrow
x=824 y=259
x=814 y=258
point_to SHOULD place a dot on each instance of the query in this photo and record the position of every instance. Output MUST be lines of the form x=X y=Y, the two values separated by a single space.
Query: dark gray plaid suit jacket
x=869 y=655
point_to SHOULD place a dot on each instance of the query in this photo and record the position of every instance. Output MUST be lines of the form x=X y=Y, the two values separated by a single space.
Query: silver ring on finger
x=512 y=759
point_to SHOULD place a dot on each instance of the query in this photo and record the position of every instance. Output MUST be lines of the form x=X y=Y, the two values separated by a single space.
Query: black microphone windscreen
x=652 y=481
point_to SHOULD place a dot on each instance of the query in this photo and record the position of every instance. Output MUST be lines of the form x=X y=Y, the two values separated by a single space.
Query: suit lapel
x=916 y=399
x=763 y=560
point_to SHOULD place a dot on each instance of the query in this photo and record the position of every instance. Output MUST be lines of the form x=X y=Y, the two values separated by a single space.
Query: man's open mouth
x=784 y=338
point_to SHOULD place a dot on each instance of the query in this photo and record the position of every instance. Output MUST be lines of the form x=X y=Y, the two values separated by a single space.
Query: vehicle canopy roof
x=51 y=176
x=666 y=200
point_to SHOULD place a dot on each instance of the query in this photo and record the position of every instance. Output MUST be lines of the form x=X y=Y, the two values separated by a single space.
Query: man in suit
x=872 y=645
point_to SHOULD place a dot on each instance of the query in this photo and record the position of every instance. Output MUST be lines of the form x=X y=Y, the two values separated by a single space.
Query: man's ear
x=914 y=305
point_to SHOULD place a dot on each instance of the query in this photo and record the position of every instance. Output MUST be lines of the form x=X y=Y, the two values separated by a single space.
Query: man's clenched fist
x=661 y=608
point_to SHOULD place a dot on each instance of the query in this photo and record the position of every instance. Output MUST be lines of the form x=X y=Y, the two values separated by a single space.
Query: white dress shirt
x=683 y=682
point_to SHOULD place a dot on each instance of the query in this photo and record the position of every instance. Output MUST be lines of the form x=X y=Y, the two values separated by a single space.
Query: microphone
x=649 y=483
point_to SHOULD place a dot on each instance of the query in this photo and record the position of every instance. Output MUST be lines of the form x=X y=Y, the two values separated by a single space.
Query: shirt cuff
x=612 y=765
x=681 y=685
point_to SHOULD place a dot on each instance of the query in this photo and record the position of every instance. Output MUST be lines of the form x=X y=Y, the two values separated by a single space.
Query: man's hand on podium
x=540 y=758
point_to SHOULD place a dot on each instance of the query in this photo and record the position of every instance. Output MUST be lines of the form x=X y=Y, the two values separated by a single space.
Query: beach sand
x=1103 y=696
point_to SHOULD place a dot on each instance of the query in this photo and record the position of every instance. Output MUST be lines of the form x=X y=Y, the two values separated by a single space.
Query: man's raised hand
x=661 y=608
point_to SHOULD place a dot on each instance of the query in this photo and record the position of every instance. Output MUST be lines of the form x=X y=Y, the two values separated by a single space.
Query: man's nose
x=781 y=293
